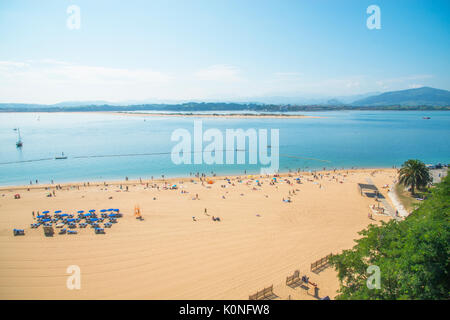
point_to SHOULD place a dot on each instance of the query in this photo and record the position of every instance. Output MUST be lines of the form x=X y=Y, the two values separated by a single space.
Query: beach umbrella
x=110 y=209
x=81 y=211
x=70 y=220
x=87 y=214
x=103 y=210
x=58 y=211
x=94 y=219
x=46 y=220
x=41 y=216
x=92 y=210
x=64 y=215
x=116 y=210
x=46 y=211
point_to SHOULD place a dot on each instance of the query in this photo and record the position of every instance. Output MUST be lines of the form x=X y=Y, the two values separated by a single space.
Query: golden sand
x=259 y=241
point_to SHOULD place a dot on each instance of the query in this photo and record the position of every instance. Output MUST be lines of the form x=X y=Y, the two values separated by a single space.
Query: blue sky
x=218 y=50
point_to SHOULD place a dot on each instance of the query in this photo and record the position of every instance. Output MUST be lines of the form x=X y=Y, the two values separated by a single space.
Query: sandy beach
x=178 y=251
x=216 y=115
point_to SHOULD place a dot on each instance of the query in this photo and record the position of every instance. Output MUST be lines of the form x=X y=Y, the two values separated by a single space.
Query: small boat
x=426 y=118
x=19 y=142
x=61 y=157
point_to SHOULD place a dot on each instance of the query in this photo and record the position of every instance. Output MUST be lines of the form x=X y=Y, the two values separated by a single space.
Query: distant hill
x=424 y=96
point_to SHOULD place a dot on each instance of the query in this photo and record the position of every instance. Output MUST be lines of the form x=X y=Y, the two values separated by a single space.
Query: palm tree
x=414 y=174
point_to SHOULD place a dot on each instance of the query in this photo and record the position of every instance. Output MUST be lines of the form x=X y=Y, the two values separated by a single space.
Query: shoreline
x=46 y=186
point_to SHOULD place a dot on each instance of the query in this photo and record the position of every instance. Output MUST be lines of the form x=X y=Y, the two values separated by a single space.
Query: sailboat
x=61 y=157
x=19 y=142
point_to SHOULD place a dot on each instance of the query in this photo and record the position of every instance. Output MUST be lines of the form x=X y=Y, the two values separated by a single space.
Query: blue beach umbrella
x=92 y=210
x=116 y=210
x=70 y=220
x=58 y=211
x=103 y=210
x=41 y=216
x=110 y=209
x=46 y=211
x=94 y=219
x=81 y=211
x=64 y=215
x=46 y=220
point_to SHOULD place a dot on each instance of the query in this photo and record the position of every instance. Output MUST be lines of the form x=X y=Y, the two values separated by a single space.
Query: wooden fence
x=260 y=295
x=290 y=280
x=321 y=263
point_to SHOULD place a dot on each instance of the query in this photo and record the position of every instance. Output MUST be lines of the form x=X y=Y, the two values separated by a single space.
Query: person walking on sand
x=33 y=214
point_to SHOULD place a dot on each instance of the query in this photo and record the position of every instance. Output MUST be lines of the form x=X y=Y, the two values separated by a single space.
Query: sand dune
x=170 y=256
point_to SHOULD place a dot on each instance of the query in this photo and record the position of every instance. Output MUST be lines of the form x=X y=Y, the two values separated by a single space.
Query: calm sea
x=102 y=146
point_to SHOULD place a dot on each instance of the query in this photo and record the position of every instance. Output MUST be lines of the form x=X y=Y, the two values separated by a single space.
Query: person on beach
x=33 y=215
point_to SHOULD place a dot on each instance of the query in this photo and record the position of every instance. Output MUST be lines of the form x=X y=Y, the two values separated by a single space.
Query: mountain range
x=410 y=99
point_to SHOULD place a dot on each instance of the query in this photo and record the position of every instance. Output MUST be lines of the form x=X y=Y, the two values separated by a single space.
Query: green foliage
x=413 y=254
x=414 y=174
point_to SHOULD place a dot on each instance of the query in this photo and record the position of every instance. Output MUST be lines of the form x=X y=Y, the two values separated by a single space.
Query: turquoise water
x=339 y=139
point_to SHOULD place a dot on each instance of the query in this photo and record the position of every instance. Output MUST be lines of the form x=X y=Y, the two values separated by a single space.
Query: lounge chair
x=99 y=231
x=19 y=232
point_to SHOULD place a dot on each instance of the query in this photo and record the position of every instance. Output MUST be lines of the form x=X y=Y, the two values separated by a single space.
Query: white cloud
x=50 y=81
x=12 y=64
x=415 y=86
x=219 y=72
x=401 y=82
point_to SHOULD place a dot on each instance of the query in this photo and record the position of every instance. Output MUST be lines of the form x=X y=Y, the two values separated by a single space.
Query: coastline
x=169 y=179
